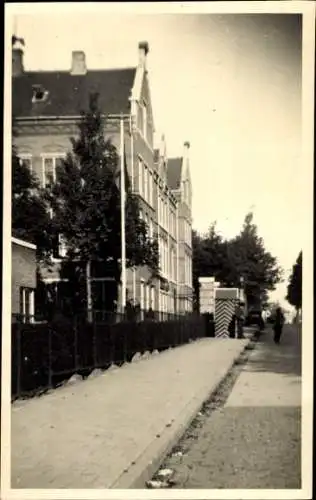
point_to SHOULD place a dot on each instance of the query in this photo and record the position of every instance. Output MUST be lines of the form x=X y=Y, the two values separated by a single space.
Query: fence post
x=50 y=333
x=124 y=346
x=19 y=361
x=75 y=344
x=112 y=349
x=94 y=345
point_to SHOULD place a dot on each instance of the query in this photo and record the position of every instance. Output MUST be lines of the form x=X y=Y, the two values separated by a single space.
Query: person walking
x=278 y=324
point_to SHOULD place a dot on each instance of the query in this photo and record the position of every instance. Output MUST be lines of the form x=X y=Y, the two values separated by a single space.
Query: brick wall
x=23 y=273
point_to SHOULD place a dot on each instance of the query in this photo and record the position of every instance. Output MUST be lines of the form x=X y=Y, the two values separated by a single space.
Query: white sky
x=229 y=84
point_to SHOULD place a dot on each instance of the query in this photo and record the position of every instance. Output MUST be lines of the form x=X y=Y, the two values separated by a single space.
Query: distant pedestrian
x=278 y=324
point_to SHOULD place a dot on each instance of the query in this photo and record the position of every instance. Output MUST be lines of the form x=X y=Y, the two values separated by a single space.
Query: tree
x=30 y=219
x=210 y=258
x=294 y=289
x=86 y=206
x=230 y=260
x=250 y=260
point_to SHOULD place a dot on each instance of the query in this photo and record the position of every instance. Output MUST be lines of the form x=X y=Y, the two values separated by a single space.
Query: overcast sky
x=229 y=84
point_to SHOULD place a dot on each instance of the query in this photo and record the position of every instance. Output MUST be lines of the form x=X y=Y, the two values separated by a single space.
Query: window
x=175 y=266
x=50 y=169
x=27 y=303
x=61 y=250
x=148 y=186
x=166 y=215
x=142 y=290
x=145 y=120
x=140 y=176
x=39 y=93
x=145 y=183
x=151 y=187
x=171 y=264
x=151 y=228
x=58 y=163
x=159 y=211
x=166 y=259
x=152 y=298
x=26 y=160
x=147 y=297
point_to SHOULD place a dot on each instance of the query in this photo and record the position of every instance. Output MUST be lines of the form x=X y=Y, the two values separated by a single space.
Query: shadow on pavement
x=284 y=358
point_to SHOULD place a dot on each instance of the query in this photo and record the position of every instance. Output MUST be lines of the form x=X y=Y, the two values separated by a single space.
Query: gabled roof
x=174 y=167
x=69 y=94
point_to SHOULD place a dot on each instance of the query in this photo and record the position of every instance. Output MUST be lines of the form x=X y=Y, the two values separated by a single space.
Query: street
x=253 y=439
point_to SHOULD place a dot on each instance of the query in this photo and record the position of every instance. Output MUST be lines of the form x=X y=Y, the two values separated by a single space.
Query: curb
x=150 y=460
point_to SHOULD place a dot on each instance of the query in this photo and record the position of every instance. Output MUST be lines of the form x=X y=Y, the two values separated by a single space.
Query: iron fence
x=45 y=353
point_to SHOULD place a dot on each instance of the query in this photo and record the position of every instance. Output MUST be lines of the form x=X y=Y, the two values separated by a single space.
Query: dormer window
x=39 y=93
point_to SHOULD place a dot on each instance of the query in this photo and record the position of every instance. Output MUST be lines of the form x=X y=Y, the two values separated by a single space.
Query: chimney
x=17 y=56
x=78 y=64
x=163 y=148
x=186 y=149
x=143 y=49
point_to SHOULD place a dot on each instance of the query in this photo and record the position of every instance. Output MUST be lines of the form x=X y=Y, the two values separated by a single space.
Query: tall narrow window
x=27 y=304
x=58 y=165
x=26 y=160
x=151 y=228
x=48 y=172
x=140 y=176
x=148 y=185
x=50 y=168
x=147 y=297
x=146 y=182
x=150 y=197
x=152 y=298
x=145 y=120
x=142 y=290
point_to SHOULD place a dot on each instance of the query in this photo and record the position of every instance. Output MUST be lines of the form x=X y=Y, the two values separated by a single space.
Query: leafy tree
x=294 y=289
x=230 y=260
x=210 y=258
x=30 y=219
x=86 y=205
x=249 y=259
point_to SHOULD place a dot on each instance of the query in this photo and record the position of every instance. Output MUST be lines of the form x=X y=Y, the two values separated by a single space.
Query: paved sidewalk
x=112 y=431
x=254 y=439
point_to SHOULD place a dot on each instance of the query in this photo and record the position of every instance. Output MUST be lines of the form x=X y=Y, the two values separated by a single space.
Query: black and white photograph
x=158 y=208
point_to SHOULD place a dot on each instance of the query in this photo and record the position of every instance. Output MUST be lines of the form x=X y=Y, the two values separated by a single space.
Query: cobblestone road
x=253 y=440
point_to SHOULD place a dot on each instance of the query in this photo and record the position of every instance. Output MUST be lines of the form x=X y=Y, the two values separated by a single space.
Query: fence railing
x=101 y=316
x=44 y=353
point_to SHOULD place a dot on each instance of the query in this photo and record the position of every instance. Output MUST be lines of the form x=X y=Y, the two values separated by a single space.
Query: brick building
x=23 y=277
x=46 y=108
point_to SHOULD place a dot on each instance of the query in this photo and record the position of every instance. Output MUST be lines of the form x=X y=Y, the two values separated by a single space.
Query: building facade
x=46 y=108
